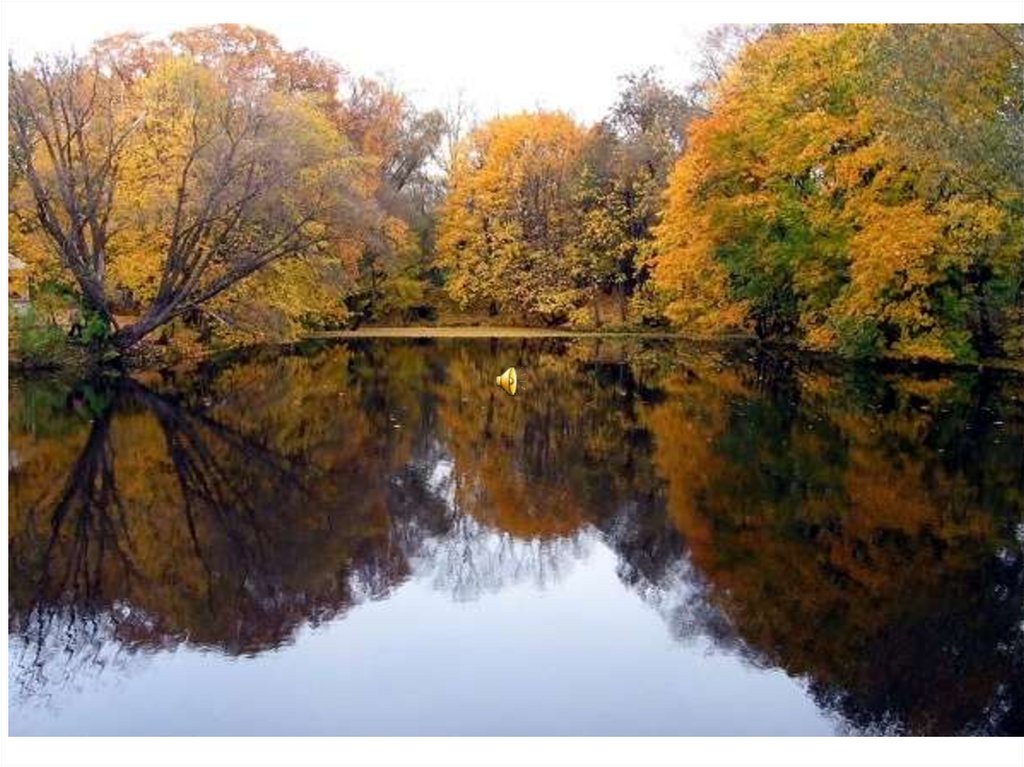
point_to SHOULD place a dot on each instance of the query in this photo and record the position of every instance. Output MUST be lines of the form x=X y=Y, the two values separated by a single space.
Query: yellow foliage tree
x=172 y=181
x=804 y=208
x=507 y=228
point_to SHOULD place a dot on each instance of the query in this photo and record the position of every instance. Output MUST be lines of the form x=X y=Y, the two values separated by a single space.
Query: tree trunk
x=129 y=336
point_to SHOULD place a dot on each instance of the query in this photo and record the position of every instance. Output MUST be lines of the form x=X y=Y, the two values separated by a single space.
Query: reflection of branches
x=466 y=558
x=214 y=484
x=57 y=645
x=86 y=574
x=473 y=559
x=89 y=505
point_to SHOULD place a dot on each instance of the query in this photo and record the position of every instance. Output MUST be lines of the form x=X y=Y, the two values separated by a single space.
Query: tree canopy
x=160 y=176
x=508 y=225
x=834 y=194
x=856 y=189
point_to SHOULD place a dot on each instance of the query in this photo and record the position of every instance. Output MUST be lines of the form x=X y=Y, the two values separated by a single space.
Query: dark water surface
x=371 y=538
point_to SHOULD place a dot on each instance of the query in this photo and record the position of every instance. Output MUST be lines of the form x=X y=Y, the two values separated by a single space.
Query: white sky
x=506 y=56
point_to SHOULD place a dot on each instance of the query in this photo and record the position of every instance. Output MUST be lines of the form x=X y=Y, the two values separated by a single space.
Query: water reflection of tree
x=832 y=525
x=834 y=536
x=174 y=526
x=228 y=513
x=463 y=556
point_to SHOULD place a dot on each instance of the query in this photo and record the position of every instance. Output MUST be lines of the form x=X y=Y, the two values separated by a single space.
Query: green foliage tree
x=626 y=164
x=810 y=206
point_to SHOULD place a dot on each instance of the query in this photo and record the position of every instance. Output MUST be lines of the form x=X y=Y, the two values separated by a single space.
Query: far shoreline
x=482 y=331
x=885 y=364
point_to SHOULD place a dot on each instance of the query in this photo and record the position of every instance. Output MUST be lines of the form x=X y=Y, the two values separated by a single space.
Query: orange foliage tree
x=508 y=226
x=805 y=208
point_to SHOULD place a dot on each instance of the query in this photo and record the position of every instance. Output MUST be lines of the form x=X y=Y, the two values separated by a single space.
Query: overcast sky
x=506 y=56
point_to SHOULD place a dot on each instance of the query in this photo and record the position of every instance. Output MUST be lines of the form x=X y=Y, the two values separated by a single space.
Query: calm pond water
x=369 y=537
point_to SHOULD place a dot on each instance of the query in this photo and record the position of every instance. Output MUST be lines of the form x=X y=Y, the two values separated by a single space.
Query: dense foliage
x=509 y=225
x=855 y=189
x=545 y=219
x=859 y=189
x=214 y=177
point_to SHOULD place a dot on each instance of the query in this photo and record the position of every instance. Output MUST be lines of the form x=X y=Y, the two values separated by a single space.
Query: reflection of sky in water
x=472 y=559
x=491 y=635
x=580 y=654
x=727 y=549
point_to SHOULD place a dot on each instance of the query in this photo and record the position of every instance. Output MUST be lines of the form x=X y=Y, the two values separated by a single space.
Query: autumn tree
x=181 y=175
x=626 y=163
x=802 y=210
x=955 y=92
x=399 y=142
x=715 y=54
x=953 y=99
x=508 y=226
x=247 y=54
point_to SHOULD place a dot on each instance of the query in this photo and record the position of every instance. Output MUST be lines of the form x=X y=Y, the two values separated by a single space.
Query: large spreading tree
x=173 y=172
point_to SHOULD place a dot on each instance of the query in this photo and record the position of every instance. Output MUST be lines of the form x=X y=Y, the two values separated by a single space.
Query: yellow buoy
x=507 y=381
